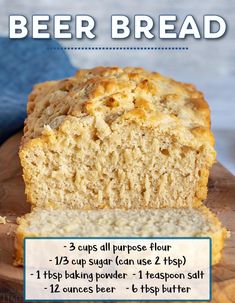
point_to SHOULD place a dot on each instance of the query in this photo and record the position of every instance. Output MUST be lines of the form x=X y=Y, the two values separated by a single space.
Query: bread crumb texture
x=177 y=222
x=3 y=220
x=116 y=138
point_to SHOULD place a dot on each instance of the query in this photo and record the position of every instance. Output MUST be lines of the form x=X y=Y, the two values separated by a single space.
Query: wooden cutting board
x=221 y=200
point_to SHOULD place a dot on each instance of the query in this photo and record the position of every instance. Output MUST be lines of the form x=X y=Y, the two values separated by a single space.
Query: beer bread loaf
x=116 y=138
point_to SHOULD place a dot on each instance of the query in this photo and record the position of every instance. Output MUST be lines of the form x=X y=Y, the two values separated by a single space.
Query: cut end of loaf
x=191 y=222
x=88 y=163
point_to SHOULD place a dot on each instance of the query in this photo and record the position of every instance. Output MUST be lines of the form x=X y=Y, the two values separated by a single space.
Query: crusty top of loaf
x=111 y=92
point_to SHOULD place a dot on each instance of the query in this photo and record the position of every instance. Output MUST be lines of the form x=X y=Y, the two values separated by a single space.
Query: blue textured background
x=22 y=64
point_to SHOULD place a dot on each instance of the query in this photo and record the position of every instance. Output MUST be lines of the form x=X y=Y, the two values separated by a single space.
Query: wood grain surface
x=221 y=200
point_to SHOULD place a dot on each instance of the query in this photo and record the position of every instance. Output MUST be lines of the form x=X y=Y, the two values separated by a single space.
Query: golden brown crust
x=19 y=240
x=217 y=237
x=112 y=91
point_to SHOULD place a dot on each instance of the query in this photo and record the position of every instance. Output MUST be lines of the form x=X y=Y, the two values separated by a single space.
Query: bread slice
x=189 y=222
x=116 y=138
